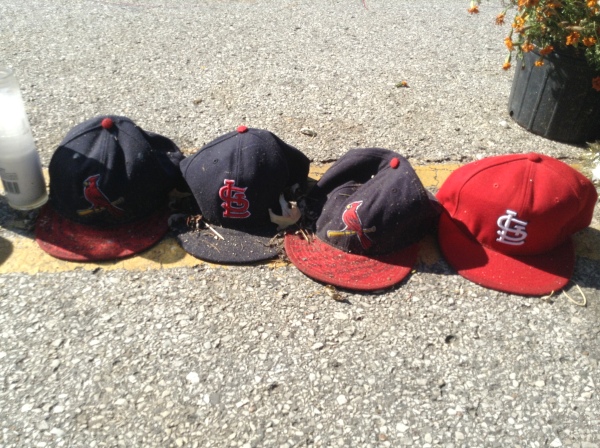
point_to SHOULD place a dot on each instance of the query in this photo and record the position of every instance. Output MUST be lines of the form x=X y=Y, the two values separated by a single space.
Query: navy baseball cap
x=238 y=182
x=109 y=190
x=372 y=212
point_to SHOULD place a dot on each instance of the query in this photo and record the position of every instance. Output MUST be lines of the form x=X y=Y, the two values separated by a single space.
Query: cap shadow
x=587 y=273
x=20 y=222
x=587 y=266
x=6 y=249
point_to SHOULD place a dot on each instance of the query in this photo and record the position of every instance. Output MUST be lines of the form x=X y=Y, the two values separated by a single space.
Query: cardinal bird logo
x=353 y=225
x=98 y=200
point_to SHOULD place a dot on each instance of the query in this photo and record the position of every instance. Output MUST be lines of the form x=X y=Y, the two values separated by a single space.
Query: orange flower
x=473 y=9
x=506 y=66
x=589 y=41
x=509 y=44
x=527 y=47
x=528 y=3
x=519 y=22
x=539 y=62
x=592 y=3
x=546 y=50
x=573 y=38
x=596 y=83
x=500 y=19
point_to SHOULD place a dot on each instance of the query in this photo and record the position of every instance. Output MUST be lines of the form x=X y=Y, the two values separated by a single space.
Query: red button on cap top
x=107 y=123
x=395 y=163
x=534 y=157
x=242 y=129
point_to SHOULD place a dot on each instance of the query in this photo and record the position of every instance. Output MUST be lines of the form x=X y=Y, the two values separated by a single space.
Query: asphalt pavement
x=261 y=356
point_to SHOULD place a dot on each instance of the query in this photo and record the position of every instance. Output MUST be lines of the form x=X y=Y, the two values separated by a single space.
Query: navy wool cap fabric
x=236 y=179
x=132 y=167
x=381 y=189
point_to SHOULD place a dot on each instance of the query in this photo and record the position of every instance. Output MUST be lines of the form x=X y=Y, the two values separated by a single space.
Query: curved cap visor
x=335 y=267
x=237 y=247
x=534 y=275
x=72 y=241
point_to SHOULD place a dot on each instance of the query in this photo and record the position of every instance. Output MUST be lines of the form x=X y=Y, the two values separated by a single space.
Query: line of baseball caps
x=505 y=222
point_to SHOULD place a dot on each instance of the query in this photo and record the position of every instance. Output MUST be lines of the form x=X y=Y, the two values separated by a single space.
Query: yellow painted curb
x=25 y=256
x=22 y=254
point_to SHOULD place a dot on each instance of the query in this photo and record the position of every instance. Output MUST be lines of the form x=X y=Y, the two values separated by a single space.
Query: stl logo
x=235 y=203
x=512 y=230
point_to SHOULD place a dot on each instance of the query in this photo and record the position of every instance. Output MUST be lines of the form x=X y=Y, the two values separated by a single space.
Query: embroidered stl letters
x=235 y=203
x=512 y=231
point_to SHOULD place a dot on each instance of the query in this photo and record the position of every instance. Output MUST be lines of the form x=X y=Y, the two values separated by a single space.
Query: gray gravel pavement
x=265 y=357
x=194 y=70
x=262 y=356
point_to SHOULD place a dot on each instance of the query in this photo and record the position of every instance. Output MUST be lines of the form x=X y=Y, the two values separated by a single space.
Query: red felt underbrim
x=332 y=266
x=534 y=275
x=72 y=241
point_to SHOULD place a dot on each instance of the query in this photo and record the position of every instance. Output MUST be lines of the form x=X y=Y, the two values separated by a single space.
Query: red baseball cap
x=509 y=219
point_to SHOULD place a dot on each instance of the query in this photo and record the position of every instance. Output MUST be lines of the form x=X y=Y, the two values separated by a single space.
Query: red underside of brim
x=534 y=275
x=332 y=266
x=72 y=241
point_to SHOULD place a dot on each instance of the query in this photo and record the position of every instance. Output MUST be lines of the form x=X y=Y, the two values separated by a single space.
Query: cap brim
x=68 y=240
x=332 y=266
x=534 y=275
x=236 y=247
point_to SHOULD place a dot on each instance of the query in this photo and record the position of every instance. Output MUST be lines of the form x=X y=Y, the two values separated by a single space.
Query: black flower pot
x=556 y=100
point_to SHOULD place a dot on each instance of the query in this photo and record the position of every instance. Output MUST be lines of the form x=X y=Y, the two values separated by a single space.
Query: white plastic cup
x=20 y=166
